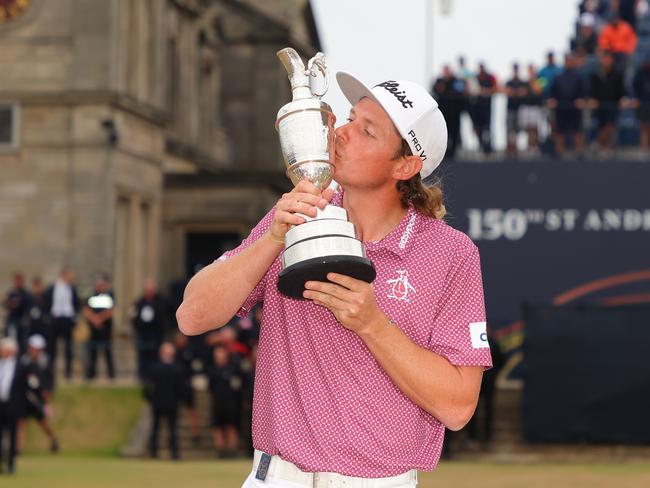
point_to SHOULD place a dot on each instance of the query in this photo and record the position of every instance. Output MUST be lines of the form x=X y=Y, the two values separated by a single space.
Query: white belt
x=279 y=469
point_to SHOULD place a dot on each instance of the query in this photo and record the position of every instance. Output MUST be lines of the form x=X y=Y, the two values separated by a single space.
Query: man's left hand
x=351 y=301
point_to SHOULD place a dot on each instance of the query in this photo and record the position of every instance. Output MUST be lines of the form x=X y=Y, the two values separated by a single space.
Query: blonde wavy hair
x=427 y=199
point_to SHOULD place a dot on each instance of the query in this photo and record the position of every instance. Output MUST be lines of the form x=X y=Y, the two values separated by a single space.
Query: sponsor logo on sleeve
x=478 y=334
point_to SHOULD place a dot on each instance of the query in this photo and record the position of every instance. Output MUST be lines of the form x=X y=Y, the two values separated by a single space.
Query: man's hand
x=304 y=199
x=351 y=301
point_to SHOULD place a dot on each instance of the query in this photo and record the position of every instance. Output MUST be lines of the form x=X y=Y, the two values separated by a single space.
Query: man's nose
x=341 y=132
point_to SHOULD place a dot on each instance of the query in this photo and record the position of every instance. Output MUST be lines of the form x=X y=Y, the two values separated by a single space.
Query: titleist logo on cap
x=393 y=88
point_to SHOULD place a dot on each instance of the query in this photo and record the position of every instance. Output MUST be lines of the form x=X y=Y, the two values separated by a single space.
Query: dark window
x=6 y=125
x=202 y=248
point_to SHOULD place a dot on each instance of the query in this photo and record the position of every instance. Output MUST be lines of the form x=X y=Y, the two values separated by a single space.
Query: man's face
x=37 y=287
x=149 y=289
x=19 y=280
x=34 y=352
x=366 y=146
x=68 y=276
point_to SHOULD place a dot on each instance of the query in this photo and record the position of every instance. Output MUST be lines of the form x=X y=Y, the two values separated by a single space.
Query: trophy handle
x=319 y=62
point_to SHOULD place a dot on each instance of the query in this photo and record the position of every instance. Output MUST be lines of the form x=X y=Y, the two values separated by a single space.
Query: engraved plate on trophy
x=326 y=243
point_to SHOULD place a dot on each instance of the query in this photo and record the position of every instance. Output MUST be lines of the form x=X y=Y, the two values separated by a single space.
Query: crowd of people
x=603 y=75
x=39 y=319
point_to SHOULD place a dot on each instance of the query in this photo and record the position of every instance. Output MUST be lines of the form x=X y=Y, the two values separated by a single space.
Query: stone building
x=137 y=136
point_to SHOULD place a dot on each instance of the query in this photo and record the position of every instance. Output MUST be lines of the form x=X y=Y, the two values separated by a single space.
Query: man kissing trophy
x=325 y=243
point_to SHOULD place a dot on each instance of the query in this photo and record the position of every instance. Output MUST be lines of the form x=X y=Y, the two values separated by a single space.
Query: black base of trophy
x=292 y=280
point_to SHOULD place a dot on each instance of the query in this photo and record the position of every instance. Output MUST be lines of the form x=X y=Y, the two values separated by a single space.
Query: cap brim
x=353 y=88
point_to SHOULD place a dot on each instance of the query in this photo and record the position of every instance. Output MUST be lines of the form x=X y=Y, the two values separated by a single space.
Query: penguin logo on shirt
x=401 y=286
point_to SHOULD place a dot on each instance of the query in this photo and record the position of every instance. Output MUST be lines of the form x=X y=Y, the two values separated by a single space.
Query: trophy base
x=291 y=281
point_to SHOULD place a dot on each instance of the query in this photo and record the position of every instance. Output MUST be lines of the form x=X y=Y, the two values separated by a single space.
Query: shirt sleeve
x=459 y=328
x=257 y=293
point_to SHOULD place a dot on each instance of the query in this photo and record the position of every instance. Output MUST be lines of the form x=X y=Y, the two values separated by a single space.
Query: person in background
x=545 y=76
x=13 y=387
x=185 y=359
x=17 y=306
x=226 y=384
x=38 y=396
x=471 y=88
x=606 y=96
x=619 y=38
x=516 y=90
x=483 y=109
x=151 y=315
x=531 y=110
x=164 y=388
x=62 y=304
x=641 y=101
x=567 y=99
x=586 y=39
x=99 y=314
x=480 y=427
x=450 y=92
x=548 y=73
x=39 y=319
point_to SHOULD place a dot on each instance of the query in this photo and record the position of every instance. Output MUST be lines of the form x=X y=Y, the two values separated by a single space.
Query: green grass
x=89 y=421
x=69 y=472
x=93 y=423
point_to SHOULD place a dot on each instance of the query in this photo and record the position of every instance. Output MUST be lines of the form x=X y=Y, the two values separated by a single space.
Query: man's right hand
x=303 y=199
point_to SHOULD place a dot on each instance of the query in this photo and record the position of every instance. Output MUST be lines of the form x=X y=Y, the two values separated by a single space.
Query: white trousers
x=283 y=474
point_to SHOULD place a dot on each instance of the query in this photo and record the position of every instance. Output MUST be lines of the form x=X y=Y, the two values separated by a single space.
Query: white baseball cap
x=413 y=111
x=587 y=19
x=36 y=341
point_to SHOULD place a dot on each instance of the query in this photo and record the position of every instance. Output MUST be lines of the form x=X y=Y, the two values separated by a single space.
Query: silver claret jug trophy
x=326 y=243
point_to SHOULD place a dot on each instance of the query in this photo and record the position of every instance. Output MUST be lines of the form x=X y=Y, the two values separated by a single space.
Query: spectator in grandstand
x=619 y=38
x=606 y=96
x=483 y=109
x=599 y=9
x=13 y=385
x=39 y=390
x=98 y=311
x=516 y=91
x=471 y=87
x=164 y=388
x=151 y=316
x=567 y=100
x=531 y=110
x=226 y=385
x=586 y=41
x=626 y=9
x=548 y=73
x=16 y=305
x=641 y=87
x=450 y=93
x=62 y=306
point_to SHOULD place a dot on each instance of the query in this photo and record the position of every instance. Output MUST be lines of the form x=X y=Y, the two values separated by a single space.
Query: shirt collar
x=400 y=239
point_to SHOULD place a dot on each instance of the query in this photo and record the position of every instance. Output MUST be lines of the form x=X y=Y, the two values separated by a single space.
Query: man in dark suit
x=98 y=311
x=164 y=388
x=13 y=385
x=17 y=306
x=150 y=317
x=62 y=304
